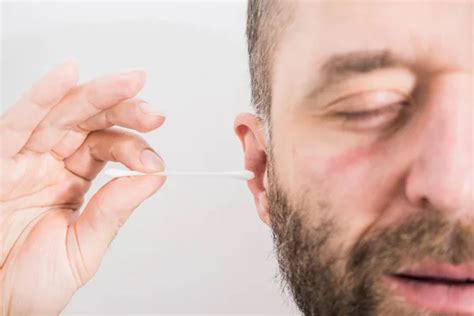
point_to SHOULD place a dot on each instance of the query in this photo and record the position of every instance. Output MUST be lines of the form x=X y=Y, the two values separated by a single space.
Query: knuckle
x=133 y=140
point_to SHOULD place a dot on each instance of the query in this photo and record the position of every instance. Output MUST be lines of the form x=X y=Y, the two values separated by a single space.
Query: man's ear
x=250 y=130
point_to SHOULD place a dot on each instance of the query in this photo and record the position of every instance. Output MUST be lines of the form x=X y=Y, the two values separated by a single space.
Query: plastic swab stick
x=240 y=175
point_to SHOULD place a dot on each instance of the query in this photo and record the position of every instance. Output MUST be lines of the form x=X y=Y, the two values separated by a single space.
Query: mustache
x=318 y=273
x=422 y=236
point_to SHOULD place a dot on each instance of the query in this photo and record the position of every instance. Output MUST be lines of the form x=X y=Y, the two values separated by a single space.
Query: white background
x=198 y=244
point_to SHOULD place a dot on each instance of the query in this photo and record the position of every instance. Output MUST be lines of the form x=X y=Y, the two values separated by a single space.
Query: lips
x=436 y=287
x=442 y=270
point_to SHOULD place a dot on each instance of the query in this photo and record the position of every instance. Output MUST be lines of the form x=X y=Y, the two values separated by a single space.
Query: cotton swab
x=240 y=175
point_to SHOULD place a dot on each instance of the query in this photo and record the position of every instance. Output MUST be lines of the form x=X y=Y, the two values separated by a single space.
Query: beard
x=324 y=281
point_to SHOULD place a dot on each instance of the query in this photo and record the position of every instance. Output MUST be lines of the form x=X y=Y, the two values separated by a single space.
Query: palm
x=59 y=193
x=35 y=173
x=48 y=249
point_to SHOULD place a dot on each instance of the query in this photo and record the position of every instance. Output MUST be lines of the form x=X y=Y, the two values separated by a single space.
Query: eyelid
x=368 y=101
x=402 y=80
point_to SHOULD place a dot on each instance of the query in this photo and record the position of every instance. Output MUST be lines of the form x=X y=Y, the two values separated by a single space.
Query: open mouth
x=436 y=287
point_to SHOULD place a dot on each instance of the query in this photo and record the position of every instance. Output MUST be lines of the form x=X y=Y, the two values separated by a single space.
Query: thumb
x=101 y=219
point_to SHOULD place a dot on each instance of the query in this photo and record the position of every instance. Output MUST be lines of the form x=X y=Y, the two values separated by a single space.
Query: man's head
x=363 y=152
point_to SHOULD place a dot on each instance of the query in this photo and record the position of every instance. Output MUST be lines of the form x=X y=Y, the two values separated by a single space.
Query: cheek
x=353 y=183
x=356 y=182
x=349 y=174
x=352 y=159
x=360 y=188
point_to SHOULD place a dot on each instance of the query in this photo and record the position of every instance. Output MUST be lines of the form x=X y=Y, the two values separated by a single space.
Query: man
x=362 y=147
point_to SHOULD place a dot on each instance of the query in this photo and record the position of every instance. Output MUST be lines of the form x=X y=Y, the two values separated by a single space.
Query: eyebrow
x=342 y=66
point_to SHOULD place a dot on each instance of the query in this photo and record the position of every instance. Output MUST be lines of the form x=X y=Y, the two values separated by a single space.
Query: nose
x=442 y=175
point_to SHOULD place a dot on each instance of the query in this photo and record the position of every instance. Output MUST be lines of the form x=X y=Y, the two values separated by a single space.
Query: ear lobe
x=250 y=131
x=262 y=209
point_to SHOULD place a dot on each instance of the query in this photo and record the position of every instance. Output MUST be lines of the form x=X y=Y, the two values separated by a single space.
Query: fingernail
x=151 y=160
x=148 y=109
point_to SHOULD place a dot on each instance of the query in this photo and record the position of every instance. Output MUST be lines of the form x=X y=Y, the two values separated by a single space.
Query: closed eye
x=380 y=117
x=361 y=115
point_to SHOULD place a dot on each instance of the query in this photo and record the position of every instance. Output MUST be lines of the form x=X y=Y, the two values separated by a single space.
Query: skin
x=48 y=159
x=372 y=177
x=50 y=156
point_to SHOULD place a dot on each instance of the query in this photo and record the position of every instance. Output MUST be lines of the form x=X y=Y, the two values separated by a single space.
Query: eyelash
x=363 y=116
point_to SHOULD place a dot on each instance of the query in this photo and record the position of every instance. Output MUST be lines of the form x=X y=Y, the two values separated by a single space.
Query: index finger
x=19 y=121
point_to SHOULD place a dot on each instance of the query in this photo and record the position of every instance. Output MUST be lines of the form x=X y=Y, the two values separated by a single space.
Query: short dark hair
x=265 y=21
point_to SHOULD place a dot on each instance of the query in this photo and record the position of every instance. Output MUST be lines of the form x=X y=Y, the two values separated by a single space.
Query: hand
x=53 y=143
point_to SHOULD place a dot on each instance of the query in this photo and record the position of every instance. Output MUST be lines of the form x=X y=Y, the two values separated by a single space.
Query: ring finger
x=133 y=113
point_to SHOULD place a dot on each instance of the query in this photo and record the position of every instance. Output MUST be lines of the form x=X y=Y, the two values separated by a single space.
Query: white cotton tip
x=246 y=175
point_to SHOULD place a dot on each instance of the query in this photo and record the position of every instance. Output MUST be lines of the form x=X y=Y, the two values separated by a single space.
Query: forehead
x=412 y=27
x=433 y=36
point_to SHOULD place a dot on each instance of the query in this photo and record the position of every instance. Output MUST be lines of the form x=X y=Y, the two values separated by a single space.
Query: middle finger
x=133 y=113
x=82 y=103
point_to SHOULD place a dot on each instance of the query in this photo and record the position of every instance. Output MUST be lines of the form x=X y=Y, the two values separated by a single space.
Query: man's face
x=370 y=178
